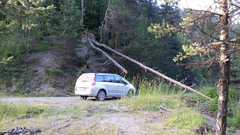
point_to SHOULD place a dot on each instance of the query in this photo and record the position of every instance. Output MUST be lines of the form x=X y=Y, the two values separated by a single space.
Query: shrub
x=53 y=72
x=214 y=105
x=234 y=122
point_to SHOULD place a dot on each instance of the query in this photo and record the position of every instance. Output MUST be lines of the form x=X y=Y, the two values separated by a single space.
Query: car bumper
x=90 y=92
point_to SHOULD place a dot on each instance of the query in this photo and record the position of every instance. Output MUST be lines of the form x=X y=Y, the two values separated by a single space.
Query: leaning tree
x=208 y=37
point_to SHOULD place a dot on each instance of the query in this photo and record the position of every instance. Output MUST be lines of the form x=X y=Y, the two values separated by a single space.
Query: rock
x=3 y=133
x=21 y=131
x=38 y=131
x=205 y=130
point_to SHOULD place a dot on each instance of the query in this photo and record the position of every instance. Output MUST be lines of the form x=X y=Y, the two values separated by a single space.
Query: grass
x=17 y=114
x=9 y=110
x=185 y=119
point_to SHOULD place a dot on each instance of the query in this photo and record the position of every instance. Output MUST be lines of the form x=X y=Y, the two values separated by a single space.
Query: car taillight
x=93 y=82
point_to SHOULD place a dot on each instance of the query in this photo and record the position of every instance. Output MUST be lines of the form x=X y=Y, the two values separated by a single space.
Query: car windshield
x=125 y=81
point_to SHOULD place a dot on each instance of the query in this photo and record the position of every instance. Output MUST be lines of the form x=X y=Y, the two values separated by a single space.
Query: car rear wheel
x=101 y=95
x=83 y=97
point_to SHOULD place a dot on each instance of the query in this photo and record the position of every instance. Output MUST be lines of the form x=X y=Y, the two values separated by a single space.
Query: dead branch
x=162 y=109
x=149 y=69
x=104 y=22
x=183 y=92
x=124 y=71
x=198 y=81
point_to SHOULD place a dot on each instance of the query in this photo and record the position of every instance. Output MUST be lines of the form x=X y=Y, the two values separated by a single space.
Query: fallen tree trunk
x=149 y=69
x=124 y=71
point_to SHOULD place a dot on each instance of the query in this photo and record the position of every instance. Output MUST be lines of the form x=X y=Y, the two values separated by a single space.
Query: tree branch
x=124 y=71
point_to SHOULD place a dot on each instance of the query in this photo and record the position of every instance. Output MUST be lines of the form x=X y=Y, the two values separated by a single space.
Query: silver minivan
x=102 y=85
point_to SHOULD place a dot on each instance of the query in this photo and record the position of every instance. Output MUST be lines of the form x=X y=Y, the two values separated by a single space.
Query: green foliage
x=66 y=23
x=210 y=92
x=44 y=80
x=234 y=122
x=161 y=30
x=188 y=20
x=235 y=72
x=21 y=27
x=185 y=119
x=43 y=45
x=214 y=104
x=190 y=50
x=34 y=110
x=94 y=13
x=233 y=93
x=5 y=61
x=53 y=72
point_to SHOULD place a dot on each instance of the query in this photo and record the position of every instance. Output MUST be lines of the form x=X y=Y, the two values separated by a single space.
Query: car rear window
x=86 y=78
x=99 y=78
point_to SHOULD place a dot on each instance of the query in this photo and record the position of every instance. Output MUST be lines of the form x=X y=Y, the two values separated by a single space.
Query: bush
x=234 y=122
x=211 y=92
x=214 y=105
x=53 y=72
x=233 y=93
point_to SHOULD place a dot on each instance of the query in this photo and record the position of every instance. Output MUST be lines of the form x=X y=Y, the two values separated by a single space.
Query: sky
x=194 y=4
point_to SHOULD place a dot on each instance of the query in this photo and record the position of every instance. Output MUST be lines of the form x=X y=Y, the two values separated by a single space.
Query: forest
x=195 y=47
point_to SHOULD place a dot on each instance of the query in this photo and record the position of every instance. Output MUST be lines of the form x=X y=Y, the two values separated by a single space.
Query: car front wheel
x=101 y=95
x=130 y=93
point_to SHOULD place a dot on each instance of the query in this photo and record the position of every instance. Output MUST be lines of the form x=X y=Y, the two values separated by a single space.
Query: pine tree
x=20 y=25
x=66 y=24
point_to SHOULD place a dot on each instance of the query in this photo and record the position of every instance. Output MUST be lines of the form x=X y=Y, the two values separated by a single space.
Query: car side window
x=118 y=79
x=109 y=78
x=99 y=78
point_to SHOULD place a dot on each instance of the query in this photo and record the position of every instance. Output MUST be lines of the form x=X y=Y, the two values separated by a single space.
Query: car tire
x=83 y=97
x=101 y=95
x=130 y=93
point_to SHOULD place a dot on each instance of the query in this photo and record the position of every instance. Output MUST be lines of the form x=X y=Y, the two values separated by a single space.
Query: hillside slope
x=48 y=73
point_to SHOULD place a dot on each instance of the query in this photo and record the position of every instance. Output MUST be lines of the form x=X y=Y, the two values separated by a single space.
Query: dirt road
x=52 y=100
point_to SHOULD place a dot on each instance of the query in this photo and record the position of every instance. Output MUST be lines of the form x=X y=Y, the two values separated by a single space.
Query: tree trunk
x=92 y=9
x=116 y=41
x=104 y=23
x=124 y=71
x=82 y=8
x=224 y=71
